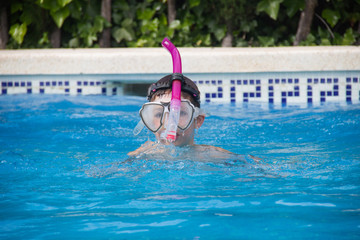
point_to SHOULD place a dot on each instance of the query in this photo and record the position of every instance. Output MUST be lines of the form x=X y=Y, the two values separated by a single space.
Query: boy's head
x=188 y=89
x=161 y=92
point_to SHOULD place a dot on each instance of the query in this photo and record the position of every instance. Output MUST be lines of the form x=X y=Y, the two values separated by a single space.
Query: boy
x=154 y=115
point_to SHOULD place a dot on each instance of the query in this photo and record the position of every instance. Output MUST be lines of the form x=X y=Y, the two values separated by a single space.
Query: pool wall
x=284 y=75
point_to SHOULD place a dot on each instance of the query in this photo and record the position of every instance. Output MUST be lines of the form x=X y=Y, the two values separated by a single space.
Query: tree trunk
x=105 y=39
x=4 y=36
x=171 y=11
x=55 y=38
x=228 y=39
x=305 y=21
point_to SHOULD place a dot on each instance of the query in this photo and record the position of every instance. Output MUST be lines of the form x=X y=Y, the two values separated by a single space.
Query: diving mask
x=154 y=115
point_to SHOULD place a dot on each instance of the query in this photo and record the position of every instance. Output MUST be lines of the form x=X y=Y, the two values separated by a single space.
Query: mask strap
x=138 y=128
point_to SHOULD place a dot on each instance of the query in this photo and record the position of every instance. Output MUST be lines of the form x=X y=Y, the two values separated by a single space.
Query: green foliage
x=271 y=7
x=144 y=23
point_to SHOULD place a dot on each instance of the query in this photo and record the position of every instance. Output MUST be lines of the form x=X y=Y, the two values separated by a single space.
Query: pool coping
x=194 y=60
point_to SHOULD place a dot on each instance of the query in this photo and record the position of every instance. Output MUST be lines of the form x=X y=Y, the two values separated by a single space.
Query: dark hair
x=165 y=83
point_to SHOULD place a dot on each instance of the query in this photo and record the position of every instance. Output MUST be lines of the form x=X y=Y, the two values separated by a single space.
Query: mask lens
x=186 y=115
x=152 y=114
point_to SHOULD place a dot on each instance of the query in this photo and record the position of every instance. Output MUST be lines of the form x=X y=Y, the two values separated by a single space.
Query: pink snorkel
x=175 y=103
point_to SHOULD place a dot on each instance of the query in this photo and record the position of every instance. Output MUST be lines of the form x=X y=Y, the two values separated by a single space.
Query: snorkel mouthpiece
x=175 y=104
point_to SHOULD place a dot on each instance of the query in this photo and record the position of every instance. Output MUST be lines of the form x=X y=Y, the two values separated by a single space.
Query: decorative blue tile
x=28 y=84
x=296 y=80
x=10 y=84
x=329 y=93
x=86 y=83
x=207 y=95
x=232 y=82
x=355 y=79
x=277 y=81
x=232 y=95
x=29 y=91
x=213 y=95
x=42 y=91
x=245 y=82
x=54 y=83
x=309 y=100
x=232 y=89
x=322 y=80
x=336 y=80
x=79 y=83
x=220 y=89
x=258 y=88
x=309 y=87
x=336 y=93
x=271 y=94
x=60 y=83
x=66 y=83
x=309 y=94
x=246 y=95
x=283 y=94
x=290 y=80
x=252 y=95
x=258 y=82
x=348 y=80
x=283 y=80
x=322 y=93
x=41 y=84
x=22 y=84
x=238 y=82
x=336 y=87
x=213 y=82
x=252 y=82
x=79 y=90
x=258 y=95
x=207 y=82
x=103 y=90
x=220 y=95
x=16 y=84
x=322 y=99
x=3 y=84
x=219 y=82
x=67 y=90
x=4 y=91
x=93 y=84
x=290 y=94
x=98 y=83
x=329 y=80
x=297 y=94
x=201 y=82
x=271 y=81
x=316 y=80
x=47 y=84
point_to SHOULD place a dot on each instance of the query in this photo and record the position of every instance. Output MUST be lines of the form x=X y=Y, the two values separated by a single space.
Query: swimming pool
x=64 y=174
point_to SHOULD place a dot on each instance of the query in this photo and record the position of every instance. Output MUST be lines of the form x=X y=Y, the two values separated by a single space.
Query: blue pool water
x=64 y=173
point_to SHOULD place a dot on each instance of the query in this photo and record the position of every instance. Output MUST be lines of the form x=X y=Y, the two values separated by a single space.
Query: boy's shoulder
x=212 y=148
x=143 y=148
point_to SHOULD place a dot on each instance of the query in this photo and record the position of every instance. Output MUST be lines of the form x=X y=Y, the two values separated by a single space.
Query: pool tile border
x=274 y=88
